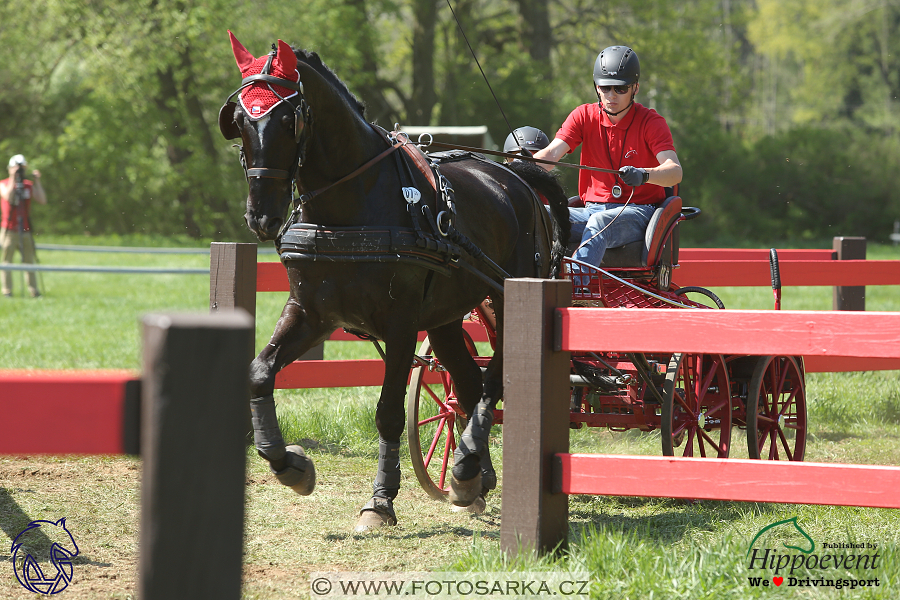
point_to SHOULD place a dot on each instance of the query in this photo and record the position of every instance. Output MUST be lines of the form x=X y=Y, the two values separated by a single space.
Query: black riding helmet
x=527 y=138
x=617 y=65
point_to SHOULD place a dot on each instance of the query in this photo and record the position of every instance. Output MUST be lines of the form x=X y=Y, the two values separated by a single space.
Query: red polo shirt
x=9 y=215
x=635 y=141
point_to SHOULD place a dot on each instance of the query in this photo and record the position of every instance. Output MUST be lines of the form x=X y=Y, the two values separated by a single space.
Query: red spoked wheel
x=777 y=396
x=696 y=410
x=434 y=418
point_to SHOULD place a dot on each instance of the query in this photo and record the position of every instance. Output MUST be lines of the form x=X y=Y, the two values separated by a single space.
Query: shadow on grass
x=14 y=520
x=388 y=533
x=670 y=521
x=832 y=436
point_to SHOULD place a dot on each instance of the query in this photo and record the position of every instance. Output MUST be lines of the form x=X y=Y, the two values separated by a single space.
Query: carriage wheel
x=696 y=410
x=777 y=396
x=433 y=420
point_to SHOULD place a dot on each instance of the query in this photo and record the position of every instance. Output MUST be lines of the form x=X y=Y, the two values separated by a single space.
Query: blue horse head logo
x=29 y=548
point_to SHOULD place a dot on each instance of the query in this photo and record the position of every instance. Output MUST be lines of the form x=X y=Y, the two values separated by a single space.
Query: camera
x=19 y=193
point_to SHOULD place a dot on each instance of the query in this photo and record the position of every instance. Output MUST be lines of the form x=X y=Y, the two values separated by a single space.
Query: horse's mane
x=312 y=59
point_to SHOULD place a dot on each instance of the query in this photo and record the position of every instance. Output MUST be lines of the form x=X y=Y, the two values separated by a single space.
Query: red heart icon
x=777 y=580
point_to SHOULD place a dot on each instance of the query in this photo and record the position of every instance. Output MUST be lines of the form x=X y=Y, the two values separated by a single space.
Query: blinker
x=227 y=125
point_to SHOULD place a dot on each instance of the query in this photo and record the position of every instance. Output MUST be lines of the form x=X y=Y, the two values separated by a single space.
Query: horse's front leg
x=473 y=473
x=400 y=345
x=291 y=339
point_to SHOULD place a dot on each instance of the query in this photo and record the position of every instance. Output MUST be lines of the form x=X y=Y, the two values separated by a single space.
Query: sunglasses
x=619 y=89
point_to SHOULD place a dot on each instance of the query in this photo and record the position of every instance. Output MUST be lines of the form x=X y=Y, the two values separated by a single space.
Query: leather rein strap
x=304 y=198
x=516 y=156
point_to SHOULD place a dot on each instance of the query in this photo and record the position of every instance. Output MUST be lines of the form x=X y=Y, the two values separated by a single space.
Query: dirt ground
x=286 y=536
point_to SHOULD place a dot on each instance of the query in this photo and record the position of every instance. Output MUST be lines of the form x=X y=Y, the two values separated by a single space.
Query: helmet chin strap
x=613 y=114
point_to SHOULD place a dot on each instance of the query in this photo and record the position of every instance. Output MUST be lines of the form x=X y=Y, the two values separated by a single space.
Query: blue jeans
x=630 y=226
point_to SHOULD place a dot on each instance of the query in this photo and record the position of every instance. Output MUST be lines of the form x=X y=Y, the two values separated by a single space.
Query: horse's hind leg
x=450 y=348
x=473 y=473
x=292 y=337
x=400 y=344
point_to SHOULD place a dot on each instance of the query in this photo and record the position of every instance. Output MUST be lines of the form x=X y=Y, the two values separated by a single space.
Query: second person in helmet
x=527 y=139
x=621 y=134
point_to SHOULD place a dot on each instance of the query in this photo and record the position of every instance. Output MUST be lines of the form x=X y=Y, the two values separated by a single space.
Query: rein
x=304 y=198
x=514 y=156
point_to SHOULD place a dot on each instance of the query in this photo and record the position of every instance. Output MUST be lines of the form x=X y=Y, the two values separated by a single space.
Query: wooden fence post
x=193 y=441
x=849 y=297
x=232 y=277
x=232 y=284
x=535 y=416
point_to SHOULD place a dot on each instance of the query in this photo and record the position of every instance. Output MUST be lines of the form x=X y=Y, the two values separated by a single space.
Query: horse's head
x=272 y=119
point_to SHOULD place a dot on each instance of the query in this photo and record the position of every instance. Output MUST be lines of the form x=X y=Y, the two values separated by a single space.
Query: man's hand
x=36 y=174
x=634 y=176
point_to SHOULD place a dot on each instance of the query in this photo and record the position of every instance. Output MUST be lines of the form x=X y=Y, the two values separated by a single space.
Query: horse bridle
x=302 y=121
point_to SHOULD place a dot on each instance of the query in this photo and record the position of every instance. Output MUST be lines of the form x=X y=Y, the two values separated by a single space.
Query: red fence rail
x=538 y=470
x=236 y=277
x=69 y=412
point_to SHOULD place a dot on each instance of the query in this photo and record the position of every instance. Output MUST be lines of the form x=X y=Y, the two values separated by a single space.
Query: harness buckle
x=423 y=144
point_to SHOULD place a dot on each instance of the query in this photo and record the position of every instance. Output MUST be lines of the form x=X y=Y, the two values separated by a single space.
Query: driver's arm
x=668 y=173
x=555 y=151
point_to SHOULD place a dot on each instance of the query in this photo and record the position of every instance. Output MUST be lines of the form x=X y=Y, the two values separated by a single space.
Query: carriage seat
x=660 y=241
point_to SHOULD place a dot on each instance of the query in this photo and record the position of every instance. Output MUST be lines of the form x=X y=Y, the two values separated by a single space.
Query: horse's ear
x=241 y=55
x=287 y=58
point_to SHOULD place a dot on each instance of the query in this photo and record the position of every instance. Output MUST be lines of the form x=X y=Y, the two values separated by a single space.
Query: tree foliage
x=784 y=112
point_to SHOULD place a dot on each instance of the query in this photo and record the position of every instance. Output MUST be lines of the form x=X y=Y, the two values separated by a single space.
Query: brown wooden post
x=535 y=416
x=232 y=277
x=193 y=427
x=232 y=284
x=849 y=297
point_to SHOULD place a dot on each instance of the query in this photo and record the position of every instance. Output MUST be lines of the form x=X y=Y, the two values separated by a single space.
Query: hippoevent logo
x=42 y=556
x=782 y=553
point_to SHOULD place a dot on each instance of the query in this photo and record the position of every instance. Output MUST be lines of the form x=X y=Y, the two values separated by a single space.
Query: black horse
x=373 y=247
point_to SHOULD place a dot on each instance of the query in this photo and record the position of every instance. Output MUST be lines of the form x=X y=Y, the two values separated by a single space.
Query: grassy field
x=633 y=548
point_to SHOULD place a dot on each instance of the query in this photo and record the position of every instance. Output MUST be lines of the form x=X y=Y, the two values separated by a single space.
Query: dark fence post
x=232 y=277
x=193 y=441
x=232 y=284
x=535 y=416
x=849 y=297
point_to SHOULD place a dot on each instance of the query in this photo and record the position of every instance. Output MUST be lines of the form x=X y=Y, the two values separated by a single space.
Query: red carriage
x=695 y=400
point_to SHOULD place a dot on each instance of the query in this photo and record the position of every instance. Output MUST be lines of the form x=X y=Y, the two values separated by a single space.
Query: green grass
x=634 y=548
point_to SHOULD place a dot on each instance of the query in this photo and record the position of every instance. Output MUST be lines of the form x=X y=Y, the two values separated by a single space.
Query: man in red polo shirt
x=620 y=134
x=16 y=194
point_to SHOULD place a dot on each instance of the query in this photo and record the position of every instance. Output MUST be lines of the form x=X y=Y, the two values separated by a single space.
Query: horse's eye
x=287 y=121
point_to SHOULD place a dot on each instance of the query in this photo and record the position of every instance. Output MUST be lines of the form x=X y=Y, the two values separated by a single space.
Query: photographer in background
x=16 y=194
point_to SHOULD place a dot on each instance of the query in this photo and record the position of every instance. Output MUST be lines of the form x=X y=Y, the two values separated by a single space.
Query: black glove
x=634 y=176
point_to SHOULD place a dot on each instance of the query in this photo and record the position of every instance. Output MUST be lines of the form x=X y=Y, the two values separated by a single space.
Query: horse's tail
x=548 y=185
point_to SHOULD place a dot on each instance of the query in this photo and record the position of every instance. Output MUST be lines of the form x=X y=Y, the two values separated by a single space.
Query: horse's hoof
x=378 y=512
x=299 y=474
x=476 y=508
x=464 y=493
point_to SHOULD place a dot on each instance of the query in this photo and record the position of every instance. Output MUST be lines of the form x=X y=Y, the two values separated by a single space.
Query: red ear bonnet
x=257 y=99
